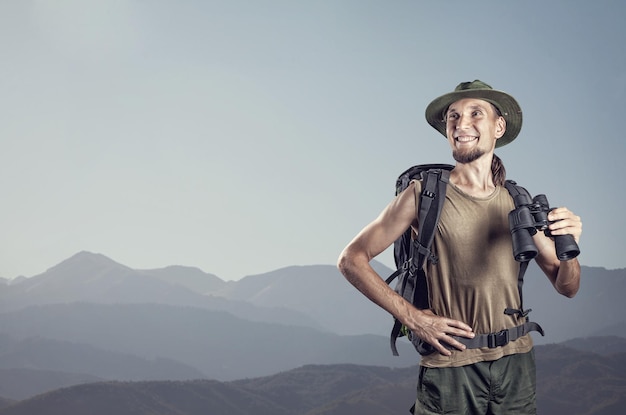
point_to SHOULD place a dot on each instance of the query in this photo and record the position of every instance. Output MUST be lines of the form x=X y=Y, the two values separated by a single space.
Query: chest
x=478 y=222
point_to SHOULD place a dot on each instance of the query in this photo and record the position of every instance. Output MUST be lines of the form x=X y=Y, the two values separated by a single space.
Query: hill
x=92 y=316
x=217 y=344
x=94 y=278
x=569 y=381
x=315 y=296
x=20 y=384
x=42 y=356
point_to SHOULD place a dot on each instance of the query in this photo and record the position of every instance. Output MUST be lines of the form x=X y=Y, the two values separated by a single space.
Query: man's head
x=473 y=128
x=505 y=106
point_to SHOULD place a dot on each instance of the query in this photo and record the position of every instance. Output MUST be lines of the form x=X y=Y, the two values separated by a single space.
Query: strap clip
x=498 y=339
x=521 y=313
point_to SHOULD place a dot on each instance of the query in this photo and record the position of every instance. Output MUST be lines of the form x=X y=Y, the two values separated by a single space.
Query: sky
x=240 y=137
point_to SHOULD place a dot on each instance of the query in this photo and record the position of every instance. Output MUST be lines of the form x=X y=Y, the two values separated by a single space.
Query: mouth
x=466 y=139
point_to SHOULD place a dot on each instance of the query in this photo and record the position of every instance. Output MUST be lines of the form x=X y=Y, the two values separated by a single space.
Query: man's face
x=472 y=128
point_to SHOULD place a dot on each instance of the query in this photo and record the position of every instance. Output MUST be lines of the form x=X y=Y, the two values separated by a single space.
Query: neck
x=475 y=178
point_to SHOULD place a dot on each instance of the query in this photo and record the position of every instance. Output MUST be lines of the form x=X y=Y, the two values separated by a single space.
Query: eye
x=452 y=116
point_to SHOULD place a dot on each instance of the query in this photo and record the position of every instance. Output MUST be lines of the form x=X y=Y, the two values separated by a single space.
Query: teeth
x=466 y=138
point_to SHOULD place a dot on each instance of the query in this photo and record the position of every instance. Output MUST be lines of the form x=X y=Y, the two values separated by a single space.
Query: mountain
x=47 y=354
x=569 y=382
x=94 y=278
x=218 y=344
x=295 y=392
x=315 y=296
x=93 y=316
x=318 y=291
x=191 y=278
x=602 y=345
x=20 y=384
x=4 y=402
x=598 y=308
x=154 y=398
x=350 y=388
x=576 y=382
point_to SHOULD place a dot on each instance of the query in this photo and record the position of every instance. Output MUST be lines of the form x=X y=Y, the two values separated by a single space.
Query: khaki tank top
x=475 y=279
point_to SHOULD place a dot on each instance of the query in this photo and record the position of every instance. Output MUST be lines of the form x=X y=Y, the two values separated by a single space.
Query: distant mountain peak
x=84 y=263
x=86 y=258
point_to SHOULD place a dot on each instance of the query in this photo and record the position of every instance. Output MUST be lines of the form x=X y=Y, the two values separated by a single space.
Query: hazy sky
x=244 y=136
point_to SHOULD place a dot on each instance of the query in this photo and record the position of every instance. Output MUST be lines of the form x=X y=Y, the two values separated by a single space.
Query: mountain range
x=572 y=380
x=90 y=319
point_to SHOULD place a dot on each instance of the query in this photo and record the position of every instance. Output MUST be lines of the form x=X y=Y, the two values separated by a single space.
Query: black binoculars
x=529 y=217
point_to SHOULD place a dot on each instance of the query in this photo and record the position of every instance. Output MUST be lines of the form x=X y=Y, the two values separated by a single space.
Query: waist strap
x=501 y=338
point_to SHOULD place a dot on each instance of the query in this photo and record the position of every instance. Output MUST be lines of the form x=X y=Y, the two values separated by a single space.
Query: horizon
x=208 y=272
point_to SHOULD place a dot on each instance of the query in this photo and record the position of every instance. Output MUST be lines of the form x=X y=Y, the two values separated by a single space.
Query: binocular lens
x=520 y=220
x=524 y=248
x=566 y=247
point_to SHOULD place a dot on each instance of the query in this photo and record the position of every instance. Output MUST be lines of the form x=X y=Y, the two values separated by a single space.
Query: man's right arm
x=354 y=264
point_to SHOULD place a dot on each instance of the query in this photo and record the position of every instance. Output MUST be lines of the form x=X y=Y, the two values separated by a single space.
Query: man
x=475 y=277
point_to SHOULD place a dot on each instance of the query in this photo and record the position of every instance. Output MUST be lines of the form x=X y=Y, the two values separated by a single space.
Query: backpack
x=411 y=254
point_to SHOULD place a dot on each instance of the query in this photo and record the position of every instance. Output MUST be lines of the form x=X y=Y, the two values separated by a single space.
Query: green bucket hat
x=506 y=104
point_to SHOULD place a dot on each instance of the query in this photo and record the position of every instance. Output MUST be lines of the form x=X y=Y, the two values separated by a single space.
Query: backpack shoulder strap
x=412 y=279
x=520 y=196
x=432 y=198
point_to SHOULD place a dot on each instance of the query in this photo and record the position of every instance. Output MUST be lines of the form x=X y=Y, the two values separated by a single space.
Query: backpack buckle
x=498 y=339
x=428 y=193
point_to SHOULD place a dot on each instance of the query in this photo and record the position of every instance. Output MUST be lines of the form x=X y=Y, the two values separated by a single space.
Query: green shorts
x=503 y=386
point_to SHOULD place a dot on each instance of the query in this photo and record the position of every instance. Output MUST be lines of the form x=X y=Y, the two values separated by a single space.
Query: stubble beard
x=467 y=156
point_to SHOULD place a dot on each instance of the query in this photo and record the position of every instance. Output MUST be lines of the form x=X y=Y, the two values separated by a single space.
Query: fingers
x=443 y=345
x=459 y=328
x=565 y=222
x=455 y=329
x=440 y=331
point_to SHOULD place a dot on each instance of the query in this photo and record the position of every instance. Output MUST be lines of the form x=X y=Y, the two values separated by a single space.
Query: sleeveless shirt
x=475 y=278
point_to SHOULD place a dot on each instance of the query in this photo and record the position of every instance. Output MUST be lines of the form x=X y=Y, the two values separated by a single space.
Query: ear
x=500 y=127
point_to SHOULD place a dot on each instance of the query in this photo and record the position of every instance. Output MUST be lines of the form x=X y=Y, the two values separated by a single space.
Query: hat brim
x=508 y=106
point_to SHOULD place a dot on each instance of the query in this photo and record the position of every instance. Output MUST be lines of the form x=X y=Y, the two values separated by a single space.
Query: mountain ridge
x=335 y=390
x=87 y=277
x=193 y=336
x=259 y=325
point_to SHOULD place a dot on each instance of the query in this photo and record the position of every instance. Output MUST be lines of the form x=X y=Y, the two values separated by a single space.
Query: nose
x=463 y=122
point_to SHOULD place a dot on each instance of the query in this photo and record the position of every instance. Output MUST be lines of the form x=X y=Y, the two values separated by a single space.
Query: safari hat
x=506 y=104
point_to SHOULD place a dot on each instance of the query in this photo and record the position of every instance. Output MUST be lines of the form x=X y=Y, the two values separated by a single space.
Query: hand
x=436 y=330
x=565 y=222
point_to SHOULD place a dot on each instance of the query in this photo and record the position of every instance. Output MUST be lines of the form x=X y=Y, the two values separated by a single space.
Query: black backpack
x=411 y=255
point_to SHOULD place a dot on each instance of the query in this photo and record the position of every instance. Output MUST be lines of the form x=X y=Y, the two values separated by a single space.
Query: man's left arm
x=564 y=275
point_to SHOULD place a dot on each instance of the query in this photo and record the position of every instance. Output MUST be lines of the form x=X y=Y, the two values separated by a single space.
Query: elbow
x=344 y=263
x=349 y=263
x=568 y=290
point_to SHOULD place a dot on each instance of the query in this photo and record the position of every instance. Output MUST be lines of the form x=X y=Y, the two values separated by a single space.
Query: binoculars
x=529 y=217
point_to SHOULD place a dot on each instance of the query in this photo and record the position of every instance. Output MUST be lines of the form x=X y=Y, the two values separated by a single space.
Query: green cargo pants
x=503 y=386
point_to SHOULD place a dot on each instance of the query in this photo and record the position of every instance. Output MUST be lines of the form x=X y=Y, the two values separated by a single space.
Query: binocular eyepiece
x=529 y=217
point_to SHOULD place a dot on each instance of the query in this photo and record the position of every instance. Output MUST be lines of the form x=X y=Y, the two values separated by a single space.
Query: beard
x=467 y=156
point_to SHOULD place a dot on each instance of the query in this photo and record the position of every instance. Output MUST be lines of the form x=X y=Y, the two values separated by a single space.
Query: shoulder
x=417 y=184
x=410 y=195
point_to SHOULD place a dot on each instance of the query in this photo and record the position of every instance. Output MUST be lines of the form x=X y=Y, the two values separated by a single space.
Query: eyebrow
x=472 y=107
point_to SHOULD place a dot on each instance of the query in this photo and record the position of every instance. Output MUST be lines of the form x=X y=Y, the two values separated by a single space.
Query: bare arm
x=564 y=275
x=354 y=264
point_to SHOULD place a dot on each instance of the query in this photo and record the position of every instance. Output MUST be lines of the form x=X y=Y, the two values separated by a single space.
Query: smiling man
x=475 y=277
